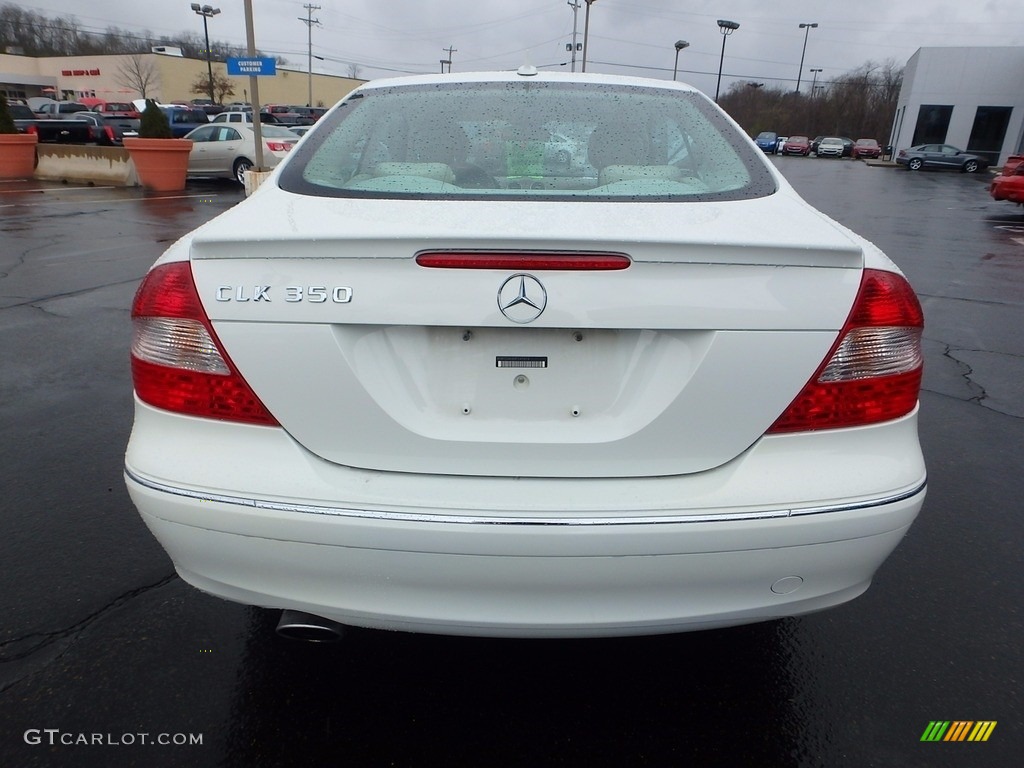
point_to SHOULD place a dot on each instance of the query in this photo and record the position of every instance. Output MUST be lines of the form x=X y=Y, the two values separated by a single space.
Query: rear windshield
x=528 y=140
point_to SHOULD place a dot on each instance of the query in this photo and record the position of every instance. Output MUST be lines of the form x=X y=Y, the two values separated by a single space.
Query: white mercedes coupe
x=529 y=355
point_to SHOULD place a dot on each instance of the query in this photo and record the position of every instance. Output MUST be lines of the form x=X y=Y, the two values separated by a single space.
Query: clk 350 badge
x=315 y=294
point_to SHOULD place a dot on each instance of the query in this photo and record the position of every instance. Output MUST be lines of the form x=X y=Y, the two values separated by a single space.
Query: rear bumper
x=525 y=579
x=531 y=558
x=1012 y=193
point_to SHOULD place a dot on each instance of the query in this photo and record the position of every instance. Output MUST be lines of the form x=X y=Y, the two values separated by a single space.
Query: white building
x=972 y=98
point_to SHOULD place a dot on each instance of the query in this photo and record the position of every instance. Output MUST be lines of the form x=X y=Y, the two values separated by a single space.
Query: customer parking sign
x=253 y=66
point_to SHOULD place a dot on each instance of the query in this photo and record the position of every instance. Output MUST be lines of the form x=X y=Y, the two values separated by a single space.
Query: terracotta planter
x=17 y=155
x=161 y=164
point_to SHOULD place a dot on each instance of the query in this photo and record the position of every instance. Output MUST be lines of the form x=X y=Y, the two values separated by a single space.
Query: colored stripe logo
x=958 y=730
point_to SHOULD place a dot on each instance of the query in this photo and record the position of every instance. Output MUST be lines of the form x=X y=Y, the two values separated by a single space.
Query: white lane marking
x=105 y=201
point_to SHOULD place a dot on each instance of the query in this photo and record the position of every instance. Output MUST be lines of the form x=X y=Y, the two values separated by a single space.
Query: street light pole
x=207 y=12
x=814 y=82
x=726 y=27
x=680 y=44
x=586 y=33
x=807 y=30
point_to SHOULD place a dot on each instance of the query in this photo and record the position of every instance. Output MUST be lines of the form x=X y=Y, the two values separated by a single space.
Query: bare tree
x=858 y=104
x=222 y=86
x=33 y=34
x=353 y=71
x=137 y=73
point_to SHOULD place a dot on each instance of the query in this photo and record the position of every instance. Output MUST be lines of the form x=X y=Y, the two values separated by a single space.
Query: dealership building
x=164 y=74
x=972 y=98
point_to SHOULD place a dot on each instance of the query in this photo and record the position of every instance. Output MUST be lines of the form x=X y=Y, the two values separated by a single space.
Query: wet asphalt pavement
x=102 y=646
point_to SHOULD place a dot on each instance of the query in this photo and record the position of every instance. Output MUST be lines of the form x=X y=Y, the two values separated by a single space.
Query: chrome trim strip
x=449 y=519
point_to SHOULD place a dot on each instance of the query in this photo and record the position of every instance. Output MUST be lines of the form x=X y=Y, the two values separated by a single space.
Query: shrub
x=6 y=121
x=154 y=123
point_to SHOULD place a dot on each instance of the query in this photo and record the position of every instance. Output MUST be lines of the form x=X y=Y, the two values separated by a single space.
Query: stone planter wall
x=253 y=179
x=85 y=164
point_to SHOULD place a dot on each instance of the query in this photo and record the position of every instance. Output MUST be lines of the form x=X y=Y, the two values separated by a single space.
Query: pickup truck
x=51 y=131
x=60 y=110
x=240 y=116
x=183 y=119
x=110 y=130
x=287 y=115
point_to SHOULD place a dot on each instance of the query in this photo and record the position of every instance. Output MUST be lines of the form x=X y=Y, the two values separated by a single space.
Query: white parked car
x=393 y=389
x=830 y=146
x=228 y=151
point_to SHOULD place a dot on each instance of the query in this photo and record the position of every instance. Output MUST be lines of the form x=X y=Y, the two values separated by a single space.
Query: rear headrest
x=448 y=146
x=619 y=144
x=439 y=171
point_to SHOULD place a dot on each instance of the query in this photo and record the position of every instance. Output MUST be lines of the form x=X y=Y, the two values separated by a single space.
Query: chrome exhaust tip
x=296 y=625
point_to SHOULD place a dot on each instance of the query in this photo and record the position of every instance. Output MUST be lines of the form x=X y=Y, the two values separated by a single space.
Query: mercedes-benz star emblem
x=522 y=298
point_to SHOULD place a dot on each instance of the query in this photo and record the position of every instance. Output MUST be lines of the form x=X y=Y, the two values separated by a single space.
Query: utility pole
x=257 y=126
x=575 y=9
x=449 y=50
x=309 y=22
x=586 y=32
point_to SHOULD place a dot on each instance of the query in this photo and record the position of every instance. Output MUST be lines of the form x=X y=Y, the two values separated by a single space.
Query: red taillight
x=32 y=129
x=873 y=371
x=110 y=133
x=279 y=146
x=178 y=363
x=534 y=261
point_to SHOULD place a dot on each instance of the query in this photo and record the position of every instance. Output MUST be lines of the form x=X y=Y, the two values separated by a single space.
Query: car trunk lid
x=676 y=364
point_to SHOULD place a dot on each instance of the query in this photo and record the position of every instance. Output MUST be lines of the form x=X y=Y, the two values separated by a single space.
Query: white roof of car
x=519 y=75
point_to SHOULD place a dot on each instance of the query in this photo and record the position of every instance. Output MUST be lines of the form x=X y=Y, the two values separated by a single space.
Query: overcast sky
x=636 y=37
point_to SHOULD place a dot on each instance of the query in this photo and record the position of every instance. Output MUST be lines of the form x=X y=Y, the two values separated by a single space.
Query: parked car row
x=835 y=146
x=279 y=114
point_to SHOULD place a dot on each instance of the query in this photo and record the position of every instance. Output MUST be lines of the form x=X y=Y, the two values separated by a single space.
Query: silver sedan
x=229 y=150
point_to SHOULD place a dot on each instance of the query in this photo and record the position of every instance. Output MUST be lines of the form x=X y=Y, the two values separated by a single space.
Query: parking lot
x=108 y=658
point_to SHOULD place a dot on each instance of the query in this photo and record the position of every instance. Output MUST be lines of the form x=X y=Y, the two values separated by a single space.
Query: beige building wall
x=103 y=77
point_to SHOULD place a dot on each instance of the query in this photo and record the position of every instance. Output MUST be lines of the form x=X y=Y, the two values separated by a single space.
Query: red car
x=1013 y=164
x=1009 y=185
x=866 y=148
x=797 y=145
x=118 y=109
